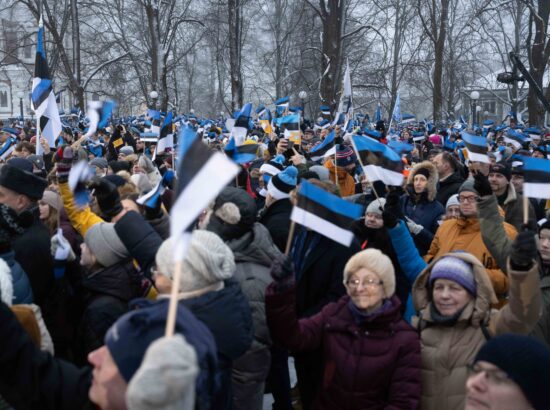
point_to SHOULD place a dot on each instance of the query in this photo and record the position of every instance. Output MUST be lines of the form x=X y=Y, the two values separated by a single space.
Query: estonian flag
x=79 y=177
x=240 y=127
x=7 y=147
x=379 y=162
x=324 y=149
x=400 y=147
x=201 y=175
x=325 y=213
x=241 y=154
x=281 y=106
x=515 y=138
x=166 y=136
x=476 y=146
x=150 y=198
x=325 y=111
x=98 y=113
x=43 y=97
x=537 y=177
x=290 y=125
x=397 y=109
x=378 y=113
x=418 y=136
x=155 y=122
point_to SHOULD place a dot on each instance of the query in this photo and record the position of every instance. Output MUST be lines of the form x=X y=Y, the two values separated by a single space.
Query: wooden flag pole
x=173 y=304
x=525 y=210
x=290 y=237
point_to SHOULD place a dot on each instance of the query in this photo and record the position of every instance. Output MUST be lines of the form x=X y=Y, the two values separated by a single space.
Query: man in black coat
x=450 y=178
x=20 y=189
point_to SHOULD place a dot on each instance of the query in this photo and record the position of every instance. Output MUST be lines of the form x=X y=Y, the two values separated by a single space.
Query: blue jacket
x=423 y=212
x=22 y=291
x=409 y=259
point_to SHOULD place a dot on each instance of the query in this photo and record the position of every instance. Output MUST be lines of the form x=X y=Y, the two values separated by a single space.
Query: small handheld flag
x=537 y=177
x=379 y=162
x=98 y=113
x=476 y=147
x=325 y=213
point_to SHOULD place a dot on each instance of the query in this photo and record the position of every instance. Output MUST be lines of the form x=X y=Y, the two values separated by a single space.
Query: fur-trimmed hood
x=431 y=187
x=6 y=283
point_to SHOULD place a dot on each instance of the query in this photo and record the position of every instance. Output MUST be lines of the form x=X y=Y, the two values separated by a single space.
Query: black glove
x=282 y=268
x=107 y=196
x=390 y=220
x=524 y=251
x=481 y=184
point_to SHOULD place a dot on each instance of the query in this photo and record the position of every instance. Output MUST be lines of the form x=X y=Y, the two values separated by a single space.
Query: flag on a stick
x=476 y=147
x=537 y=177
x=43 y=97
x=166 y=135
x=379 y=161
x=98 y=113
x=324 y=149
x=515 y=138
x=325 y=213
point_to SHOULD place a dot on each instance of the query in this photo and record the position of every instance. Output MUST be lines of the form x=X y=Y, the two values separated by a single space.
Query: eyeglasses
x=495 y=376
x=468 y=199
x=367 y=283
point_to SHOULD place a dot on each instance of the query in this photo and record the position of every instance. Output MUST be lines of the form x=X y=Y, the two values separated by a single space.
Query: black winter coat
x=32 y=251
x=448 y=187
x=105 y=298
x=276 y=219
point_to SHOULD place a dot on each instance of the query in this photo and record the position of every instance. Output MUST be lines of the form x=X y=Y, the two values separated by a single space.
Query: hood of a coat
x=476 y=311
x=431 y=187
x=512 y=194
x=255 y=246
x=6 y=283
x=455 y=177
x=119 y=280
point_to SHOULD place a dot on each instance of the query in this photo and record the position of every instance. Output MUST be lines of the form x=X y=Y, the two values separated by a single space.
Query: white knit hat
x=453 y=200
x=208 y=261
x=166 y=377
x=378 y=263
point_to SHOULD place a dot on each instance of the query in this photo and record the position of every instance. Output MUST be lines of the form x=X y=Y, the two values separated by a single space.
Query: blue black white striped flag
x=166 y=135
x=324 y=149
x=476 y=147
x=281 y=106
x=99 y=113
x=240 y=127
x=43 y=97
x=379 y=161
x=536 y=172
x=155 y=118
x=517 y=139
x=241 y=154
x=325 y=213
x=201 y=175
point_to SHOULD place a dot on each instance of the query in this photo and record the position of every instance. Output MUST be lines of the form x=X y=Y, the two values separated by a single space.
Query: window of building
x=27 y=47
x=9 y=33
x=489 y=106
x=3 y=99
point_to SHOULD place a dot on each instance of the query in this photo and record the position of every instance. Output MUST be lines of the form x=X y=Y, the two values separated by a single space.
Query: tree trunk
x=438 y=63
x=152 y=26
x=235 y=54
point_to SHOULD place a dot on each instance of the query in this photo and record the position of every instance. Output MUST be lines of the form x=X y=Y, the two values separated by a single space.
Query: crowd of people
x=442 y=301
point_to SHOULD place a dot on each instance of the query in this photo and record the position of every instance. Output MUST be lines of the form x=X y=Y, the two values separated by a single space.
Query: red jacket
x=373 y=366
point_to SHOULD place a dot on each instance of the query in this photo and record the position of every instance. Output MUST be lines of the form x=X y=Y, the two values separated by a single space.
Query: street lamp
x=486 y=114
x=474 y=96
x=478 y=112
x=154 y=95
x=21 y=95
x=222 y=115
x=303 y=95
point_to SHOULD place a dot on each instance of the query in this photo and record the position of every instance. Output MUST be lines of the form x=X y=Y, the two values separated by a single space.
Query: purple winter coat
x=375 y=366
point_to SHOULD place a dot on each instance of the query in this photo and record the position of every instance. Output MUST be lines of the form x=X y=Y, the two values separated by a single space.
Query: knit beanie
x=525 y=360
x=453 y=200
x=281 y=184
x=166 y=377
x=208 y=261
x=376 y=206
x=375 y=261
x=105 y=244
x=501 y=169
x=455 y=269
x=468 y=186
x=52 y=199
x=273 y=166
x=131 y=335
x=100 y=163
x=117 y=166
x=17 y=175
x=127 y=150
x=422 y=171
x=345 y=156
x=232 y=215
x=322 y=172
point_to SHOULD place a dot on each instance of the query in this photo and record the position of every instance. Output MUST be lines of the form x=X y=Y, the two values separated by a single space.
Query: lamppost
x=486 y=115
x=474 y=96
x=154 y=95
x=21 y=95
x=303 y=95
x=478 y=113
x=222 y=115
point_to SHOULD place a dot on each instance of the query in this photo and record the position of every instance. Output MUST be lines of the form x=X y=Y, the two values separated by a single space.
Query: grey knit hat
x=166 y=377
x=376 y=206
x=208 y=261
x=105 y=244
x=99 y=162
x=468 y=186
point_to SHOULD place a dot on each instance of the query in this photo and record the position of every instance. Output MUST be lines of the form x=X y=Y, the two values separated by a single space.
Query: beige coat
x=446 y=351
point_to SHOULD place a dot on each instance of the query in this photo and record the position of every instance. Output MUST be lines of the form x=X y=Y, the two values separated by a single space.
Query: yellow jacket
x=81 y=219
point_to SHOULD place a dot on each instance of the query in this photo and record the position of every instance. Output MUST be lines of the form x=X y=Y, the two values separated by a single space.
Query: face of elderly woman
x=449 y=297
x=365 y=289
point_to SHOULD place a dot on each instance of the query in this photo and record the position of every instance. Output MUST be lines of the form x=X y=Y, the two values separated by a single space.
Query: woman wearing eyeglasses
x=371 y=356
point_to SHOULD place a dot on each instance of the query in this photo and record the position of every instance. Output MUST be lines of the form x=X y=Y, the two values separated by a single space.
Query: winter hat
x=322 y=172
x=455 y=269
x=166 y=378
x=422 y=171
x=375 y=261
x=273 y=166
x=11 y=225
x=281 y=184
x=453 y=200
x=126 y=150
x=131 y=335
x=232 y=215
x=345 y=156
x=468 y=186
x=37 y=161
x=105 y=244
x=18 y=176
x=525 y=360
x=208 y=262
x=100 y=163
x=374 y=206
x=116 y=179
x=117 y=166
x=501 y=169
x=52 y=199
